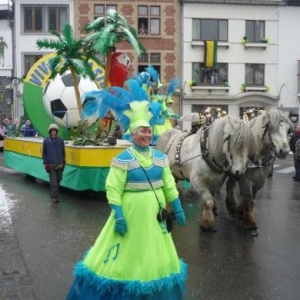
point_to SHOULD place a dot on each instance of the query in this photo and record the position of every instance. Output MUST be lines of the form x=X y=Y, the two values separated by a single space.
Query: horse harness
x=266 y=160
x=203 y=148
x=183 y=135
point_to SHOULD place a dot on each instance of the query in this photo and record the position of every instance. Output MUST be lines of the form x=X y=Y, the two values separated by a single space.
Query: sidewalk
x=15 y=281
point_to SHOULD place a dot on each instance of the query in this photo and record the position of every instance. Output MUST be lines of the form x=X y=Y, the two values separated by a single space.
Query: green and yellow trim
x=86 y=167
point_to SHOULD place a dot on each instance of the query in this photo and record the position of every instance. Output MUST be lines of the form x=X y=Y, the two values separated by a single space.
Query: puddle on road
x=5 y=217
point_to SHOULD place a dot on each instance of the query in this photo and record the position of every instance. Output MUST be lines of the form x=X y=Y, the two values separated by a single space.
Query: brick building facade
x=157 y=23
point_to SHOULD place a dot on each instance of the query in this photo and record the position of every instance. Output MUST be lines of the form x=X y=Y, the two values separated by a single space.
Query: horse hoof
x=204 y=229
x=252 y=232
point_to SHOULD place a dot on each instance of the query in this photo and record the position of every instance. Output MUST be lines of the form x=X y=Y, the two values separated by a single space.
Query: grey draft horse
x=204 y=157
x=270 y=132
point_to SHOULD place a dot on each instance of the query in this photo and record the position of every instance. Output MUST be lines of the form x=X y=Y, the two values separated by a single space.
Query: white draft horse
x=270 y=132
x=204 y=157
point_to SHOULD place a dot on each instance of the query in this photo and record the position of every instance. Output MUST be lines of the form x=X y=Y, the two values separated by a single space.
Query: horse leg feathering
x=247 y=203
x=207 y=219
x=230 y=200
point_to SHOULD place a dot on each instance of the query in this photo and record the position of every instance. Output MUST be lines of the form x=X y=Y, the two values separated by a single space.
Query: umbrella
x=190 y=117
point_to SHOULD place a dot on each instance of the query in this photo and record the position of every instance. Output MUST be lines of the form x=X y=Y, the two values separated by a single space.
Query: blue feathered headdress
x=174 y=83
x=121 y=102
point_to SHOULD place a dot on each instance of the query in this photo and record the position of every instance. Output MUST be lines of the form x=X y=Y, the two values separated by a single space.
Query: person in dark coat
x=54 y=159
x=295 y=137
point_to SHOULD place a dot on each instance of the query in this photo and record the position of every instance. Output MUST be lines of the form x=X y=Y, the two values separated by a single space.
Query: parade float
x=52 y=93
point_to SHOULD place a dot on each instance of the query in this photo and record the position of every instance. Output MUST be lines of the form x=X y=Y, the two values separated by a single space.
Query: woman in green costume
x=134 y=257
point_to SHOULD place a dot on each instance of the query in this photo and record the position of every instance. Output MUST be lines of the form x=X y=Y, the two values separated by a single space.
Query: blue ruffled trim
x=132 y=287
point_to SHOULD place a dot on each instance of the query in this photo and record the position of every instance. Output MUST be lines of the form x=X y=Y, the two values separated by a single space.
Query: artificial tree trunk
x=109 y=53
x=76 y=88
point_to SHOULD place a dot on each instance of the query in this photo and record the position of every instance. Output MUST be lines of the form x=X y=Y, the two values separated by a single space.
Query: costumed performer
x=134 y=257
x=157 y=96
x=140 y=93
x=167 y=111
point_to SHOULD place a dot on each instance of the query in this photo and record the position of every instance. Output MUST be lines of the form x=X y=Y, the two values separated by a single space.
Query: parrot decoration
x=119 y=68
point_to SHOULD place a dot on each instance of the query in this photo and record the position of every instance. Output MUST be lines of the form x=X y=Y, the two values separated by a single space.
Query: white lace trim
x=130 y=165
x=143 y=185
x=125 y=165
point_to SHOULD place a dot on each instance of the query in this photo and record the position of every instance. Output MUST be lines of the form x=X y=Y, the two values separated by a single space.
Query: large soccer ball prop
x=60 y=99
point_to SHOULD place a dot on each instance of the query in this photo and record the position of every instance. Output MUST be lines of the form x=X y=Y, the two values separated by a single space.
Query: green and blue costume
x=139 y=262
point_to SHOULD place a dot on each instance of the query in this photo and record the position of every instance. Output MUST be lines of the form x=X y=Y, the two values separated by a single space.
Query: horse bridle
x=267 y=127
x=177 y=150
x=204 y=152
x=261 y=162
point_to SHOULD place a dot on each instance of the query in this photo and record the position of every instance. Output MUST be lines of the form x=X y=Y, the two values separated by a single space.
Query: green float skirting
x=74 y=177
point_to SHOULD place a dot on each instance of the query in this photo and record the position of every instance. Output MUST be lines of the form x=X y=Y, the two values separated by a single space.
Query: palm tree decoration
x=71 y=54
x=109 y=30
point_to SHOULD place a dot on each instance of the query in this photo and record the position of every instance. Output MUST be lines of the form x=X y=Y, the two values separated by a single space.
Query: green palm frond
x=129 y=37
x=92 y=37
x=83 y=68
x=68 y=35
x=105 y=39
x=110 y=30
x=63 y=68
x=57 y=34
x=135 y=35
x=96 y=25
x=121 y=21
x=112 y=15
x=49 y=44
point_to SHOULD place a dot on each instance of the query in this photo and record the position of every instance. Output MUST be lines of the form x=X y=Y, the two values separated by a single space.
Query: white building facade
x=250 y=61
x=6 y=57
x=289 y=58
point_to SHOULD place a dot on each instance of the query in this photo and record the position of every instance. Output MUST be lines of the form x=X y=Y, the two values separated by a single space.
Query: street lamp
x=279 y=94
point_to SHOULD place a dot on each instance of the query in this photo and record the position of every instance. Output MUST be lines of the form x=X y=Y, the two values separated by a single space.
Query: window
x=143 y=61
x=209 y=76
x=33 y=19
x=255 y=30
x=143 y=58
x=255 y=74
x=155 y=60
x=57 y=17
x=205 y=29
x=29 y=61
x=100 y=9
x=149 y=20
x=45 y=18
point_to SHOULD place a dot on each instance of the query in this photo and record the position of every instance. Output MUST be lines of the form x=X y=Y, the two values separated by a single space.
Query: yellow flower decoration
x=191 y=83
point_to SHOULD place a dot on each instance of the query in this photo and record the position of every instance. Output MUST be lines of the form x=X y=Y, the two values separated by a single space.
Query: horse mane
x=270 y=118
x=240 y=134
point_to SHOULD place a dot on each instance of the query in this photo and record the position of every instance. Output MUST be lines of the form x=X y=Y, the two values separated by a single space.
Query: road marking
x=286 y=170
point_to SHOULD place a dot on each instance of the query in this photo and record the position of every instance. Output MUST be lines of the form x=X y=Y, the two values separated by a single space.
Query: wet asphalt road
x=47 y=239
